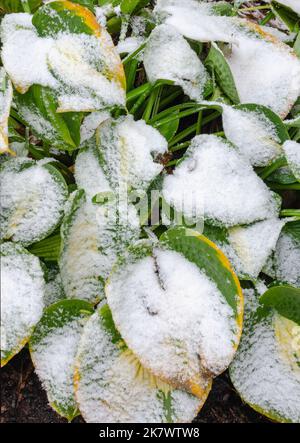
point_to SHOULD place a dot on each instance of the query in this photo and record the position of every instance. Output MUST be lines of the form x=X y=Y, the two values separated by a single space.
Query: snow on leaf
x=292 y=153
x=53 y=348
x=113 y=387
x=32 y=199
x=173 y=309
x=216 y=182
x=168 y=56
x=6 y=93
x=22 y=293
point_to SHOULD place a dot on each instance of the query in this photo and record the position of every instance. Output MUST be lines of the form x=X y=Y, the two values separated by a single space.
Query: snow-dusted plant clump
x=150 y=177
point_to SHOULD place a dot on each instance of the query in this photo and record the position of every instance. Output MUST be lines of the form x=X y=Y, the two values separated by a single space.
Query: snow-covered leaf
x=22 y=298
x=287 y=256
x=256 y=131
x=64 y=48
x=292 y=153
x=285 y=300
x=178 y=305
x=32 y=199
x=93 y=236
x=168 y=56
x=266 y=370
x=113 y=387
x=215 y=182
x=129 y=151
x=53 y=348
x=6 y=94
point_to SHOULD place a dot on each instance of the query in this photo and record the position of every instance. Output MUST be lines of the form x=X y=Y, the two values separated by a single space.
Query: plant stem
x=255 y=8
x=278 y=186
x=268 y=170
x=267 y=18
x=290 y=213
x=133 y=54
x=180 y=146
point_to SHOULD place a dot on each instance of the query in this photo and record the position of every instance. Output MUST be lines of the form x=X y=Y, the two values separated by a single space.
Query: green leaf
x=285 y=300
x=168 y=130
x=47 y=249
x=130 y=6
x=64 y=16
x=216 y=63
x=62 y=322
x=8 y=6
x=37 y=108
x=297 y=45
x=289 y=17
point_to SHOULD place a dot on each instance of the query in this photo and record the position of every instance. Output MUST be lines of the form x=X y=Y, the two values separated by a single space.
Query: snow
x=89 y=174
x=95 y=236
x=262 y=374
x=169 y=56
x=292 y=153
x=293 y=4
x=196 y=21
x=173 y=317
x=54 y=291
x=53 y=355
x=6 y=93
x=265 y=71
x=129 y=149
x=253 y=134
x=22 y=292
x=90 y=124
x=85 y=70
x=214 y=180
x=113 y=387
x=129 y=44
x=32 y=201
x=287 y=260
x=253 y=244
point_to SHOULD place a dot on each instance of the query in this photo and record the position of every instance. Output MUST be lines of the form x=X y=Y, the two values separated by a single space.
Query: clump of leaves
x=150 y=183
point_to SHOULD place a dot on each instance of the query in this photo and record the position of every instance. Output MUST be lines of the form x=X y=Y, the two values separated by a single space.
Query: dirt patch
x=23 y=399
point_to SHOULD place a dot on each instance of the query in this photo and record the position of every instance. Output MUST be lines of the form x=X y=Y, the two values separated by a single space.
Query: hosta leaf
x=286 y=10
x=64 y=48
x=168 y=56
x=129 y=6
x=285 y=300
x=174 y=294
x=265 y=70
x=42 y=118
x=47 y=249
x=257 y=132
x=123 y=391
x=54 y=290
x=6 y=94
x=287 y=256
x=93 y=236
x=18 y=5
x=215 y=182
x=266 y=370
x=32 y=199
x=292 y=153
x=218 y=65
x=128 y=151
x=22 y=292
x=53 y=348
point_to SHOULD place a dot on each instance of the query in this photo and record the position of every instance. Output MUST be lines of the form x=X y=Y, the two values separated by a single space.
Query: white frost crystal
x=169 y=56
x=22 y=294
x=214 y=180
x=173 y=317
x=32 y=199
x=113 y=387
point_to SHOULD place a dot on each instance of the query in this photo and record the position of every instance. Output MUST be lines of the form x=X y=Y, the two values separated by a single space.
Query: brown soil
x=24 y=401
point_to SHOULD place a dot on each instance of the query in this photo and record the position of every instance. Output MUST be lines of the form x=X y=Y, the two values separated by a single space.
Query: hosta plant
x=150 y=176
